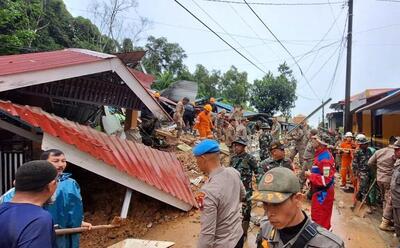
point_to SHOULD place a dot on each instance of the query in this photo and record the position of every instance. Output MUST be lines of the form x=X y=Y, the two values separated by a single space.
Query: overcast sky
x=376 y=44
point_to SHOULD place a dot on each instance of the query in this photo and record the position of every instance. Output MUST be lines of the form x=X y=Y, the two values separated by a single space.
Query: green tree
x=163 y=80
x=127 y=45
x=162 y=56
x=207 y=81
x=272 y=94
x=234 y=86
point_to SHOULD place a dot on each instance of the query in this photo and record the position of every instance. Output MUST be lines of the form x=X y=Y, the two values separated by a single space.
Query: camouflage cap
x=265 y=126
x=277 y=145
x=277 y=185
x=240 y=141
x=396 y=144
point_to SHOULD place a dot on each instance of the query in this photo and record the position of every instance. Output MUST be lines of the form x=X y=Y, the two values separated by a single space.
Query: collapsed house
x=55 y=99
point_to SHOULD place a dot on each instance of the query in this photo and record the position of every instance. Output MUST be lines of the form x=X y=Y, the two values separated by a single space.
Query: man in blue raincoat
x=67 y=208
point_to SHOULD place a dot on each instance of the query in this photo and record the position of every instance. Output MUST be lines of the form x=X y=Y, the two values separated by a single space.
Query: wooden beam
x=20 y=131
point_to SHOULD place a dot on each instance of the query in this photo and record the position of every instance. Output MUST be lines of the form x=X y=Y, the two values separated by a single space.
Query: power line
x=284 y=47
x=243 y=56
x=277 y=4
x=226 y=32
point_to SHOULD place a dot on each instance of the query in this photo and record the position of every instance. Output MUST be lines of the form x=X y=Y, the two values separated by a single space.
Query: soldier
x=265 y=141
x=277 y=159
x=322 y=182
x=395 y=189
x=383 y=161
x=230 y=134
x=247 y=166
x=241 y=130
x=276 y=129
x=178 y=115
x=308 y=156
x=361 y=170
x=219 y=200
x=287 y=225
x=219 y=122
x=298 y=144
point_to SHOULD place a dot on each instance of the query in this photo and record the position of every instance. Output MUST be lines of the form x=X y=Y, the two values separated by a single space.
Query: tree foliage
x=207 y=81
x=234 y=86
x=272 y=94
x=162 y=56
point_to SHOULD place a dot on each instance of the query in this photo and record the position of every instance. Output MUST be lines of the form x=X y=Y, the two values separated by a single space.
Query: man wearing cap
x=178 y=115
x=287 y=225
x=247 y=166
x=277 y=159
x=24 y=223
x=322 y=180
x=361 y=170
x=308 y=156
x=395 y=189
x=219 y=200
x=346 y=150
x=298 y=146
x=204 y=123
x=383 y=162
x=265 y=141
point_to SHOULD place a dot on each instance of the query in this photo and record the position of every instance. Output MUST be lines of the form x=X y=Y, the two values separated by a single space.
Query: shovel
x=358 y=207
x=117 y=221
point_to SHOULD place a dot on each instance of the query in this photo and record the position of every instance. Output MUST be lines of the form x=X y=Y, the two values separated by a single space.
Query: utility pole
x=347 y=116
x=323 y=114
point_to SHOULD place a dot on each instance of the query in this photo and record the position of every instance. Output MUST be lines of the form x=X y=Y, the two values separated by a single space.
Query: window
x=377 y=126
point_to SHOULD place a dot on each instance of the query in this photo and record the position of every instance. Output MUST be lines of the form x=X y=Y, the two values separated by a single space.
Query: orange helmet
x=208 y=107
x=157 y=95
x=212 y=100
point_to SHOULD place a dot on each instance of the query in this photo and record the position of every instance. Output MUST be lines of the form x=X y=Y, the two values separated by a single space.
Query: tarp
x=180 y=89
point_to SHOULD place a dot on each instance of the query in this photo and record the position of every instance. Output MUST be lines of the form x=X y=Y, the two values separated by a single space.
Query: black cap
x=240 y=141
x=34 y=175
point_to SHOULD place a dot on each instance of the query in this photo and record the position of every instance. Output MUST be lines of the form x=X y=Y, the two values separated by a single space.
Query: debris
x=142 y=243
x=149 y=225
x=184 y=147
x=117 y=221
x=197 y=180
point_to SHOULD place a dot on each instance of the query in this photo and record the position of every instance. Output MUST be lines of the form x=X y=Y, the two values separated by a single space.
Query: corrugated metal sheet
x=145 y=79
x=157 y=168
x=20 y=63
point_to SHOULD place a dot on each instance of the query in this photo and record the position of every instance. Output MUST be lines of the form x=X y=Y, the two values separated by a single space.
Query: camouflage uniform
x=298 y=146
x=268 y=164
x=247 y=166
x=265 y=142
x=362 y=171
x=308 y=157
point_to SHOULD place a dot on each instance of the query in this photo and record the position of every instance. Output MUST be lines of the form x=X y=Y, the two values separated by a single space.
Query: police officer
x=265 y=141
x=277 y=159
x=219 y=200
x=287 y=225
x=361 y=170
x=247 y=166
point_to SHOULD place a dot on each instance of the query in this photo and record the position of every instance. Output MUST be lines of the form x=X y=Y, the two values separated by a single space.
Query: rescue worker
x=383 y=161
x=204 y=123
x=219 y=122
x=67 y=209
x=308 y=156
x=298 y=146
x=213 y=105
x=287 y=225
x=362 y=172
x=322 y=182
x=241 y=130
x=265 y=141
x=178 y=116
x=346 y=150
x=277 y=159
x=237 y=113
x=276 y=129
x=247 y=166
x=395 y=189
x=188 y=117
x=218 y=199
x=230 y=134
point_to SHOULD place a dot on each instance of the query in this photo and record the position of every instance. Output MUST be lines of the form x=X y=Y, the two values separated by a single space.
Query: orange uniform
x=347 y=158
x=204 y=124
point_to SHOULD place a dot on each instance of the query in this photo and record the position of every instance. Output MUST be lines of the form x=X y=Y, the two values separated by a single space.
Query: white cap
x=348 y=134
x=361 y=136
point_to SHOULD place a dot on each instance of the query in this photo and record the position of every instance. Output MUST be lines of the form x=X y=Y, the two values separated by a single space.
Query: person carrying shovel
x=67 y=209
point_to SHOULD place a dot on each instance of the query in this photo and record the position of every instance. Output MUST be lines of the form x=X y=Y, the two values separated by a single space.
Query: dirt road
x=355 y=231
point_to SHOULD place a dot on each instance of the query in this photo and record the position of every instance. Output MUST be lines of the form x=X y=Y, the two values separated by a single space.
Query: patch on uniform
x=268 y=178
x=200 y=199
x=326 y=171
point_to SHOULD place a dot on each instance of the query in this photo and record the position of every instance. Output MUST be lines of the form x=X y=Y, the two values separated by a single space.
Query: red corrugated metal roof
x=12 y=64
x=145 y=79
x=154 y=167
